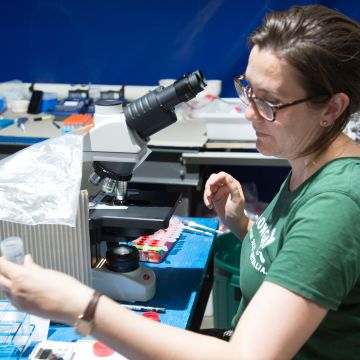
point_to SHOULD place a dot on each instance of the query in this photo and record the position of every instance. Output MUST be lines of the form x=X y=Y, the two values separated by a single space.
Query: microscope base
x=137 y=285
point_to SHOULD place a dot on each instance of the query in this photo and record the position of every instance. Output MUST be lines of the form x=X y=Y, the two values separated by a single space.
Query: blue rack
x=15 y=331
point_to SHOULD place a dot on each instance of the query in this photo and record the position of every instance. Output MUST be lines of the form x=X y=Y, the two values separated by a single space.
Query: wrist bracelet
x=84 y=323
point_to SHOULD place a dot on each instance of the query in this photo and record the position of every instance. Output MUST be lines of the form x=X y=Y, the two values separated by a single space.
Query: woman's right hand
x=224 y=194
x=43 y=292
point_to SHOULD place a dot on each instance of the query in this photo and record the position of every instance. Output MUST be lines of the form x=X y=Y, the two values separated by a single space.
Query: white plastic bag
x=41 y=184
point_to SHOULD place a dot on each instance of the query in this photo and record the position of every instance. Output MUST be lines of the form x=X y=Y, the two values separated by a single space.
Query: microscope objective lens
x=109 y=185
x=94 y=178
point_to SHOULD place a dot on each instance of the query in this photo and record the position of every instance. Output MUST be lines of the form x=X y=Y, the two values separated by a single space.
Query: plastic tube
x=13 y=249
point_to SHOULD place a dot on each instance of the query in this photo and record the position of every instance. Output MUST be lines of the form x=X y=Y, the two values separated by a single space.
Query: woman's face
x=295 y=127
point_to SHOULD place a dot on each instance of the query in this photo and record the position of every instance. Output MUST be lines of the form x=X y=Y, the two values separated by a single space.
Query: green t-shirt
x=308 y=241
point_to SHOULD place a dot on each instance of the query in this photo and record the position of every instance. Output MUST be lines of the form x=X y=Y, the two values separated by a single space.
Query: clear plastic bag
x=41 y=184
x=14 y=90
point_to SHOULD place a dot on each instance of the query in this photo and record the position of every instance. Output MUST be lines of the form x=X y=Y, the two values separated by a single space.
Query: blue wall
x=134 y=42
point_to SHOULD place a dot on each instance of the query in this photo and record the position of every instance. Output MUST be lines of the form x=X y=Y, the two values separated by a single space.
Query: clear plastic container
x=13 y=249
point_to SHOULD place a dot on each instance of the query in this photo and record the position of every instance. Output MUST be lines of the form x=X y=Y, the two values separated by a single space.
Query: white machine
x=134 y=285
x=117 y=144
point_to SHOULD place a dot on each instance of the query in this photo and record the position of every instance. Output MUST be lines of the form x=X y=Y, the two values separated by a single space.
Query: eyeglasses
x=265 y=108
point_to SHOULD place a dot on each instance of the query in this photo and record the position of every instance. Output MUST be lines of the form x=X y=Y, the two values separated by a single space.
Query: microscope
x=116 y=145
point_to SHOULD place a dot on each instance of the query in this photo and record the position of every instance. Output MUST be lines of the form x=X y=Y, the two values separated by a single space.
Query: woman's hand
x=43 y=292
x=224 y=194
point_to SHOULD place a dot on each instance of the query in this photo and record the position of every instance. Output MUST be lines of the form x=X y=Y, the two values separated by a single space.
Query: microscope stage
x=144 y=212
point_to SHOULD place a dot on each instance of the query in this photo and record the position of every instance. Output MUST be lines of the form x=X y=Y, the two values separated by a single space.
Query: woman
x=300 y=264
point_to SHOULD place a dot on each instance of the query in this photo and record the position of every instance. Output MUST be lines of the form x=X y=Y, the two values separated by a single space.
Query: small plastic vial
x=13 y=249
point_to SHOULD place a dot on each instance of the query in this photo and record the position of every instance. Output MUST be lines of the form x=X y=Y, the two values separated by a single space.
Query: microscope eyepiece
x=155 y=110
x=188 y=86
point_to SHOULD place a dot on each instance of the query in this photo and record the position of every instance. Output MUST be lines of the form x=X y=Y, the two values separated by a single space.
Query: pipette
x=194 y=224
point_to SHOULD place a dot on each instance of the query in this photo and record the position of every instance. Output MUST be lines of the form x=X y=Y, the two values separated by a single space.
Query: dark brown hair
x=323 y=46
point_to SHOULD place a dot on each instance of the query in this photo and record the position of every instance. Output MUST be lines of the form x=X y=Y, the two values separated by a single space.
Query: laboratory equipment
x=117 y=144
x=155 y=247
x=77 y=102
x=35 y=101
